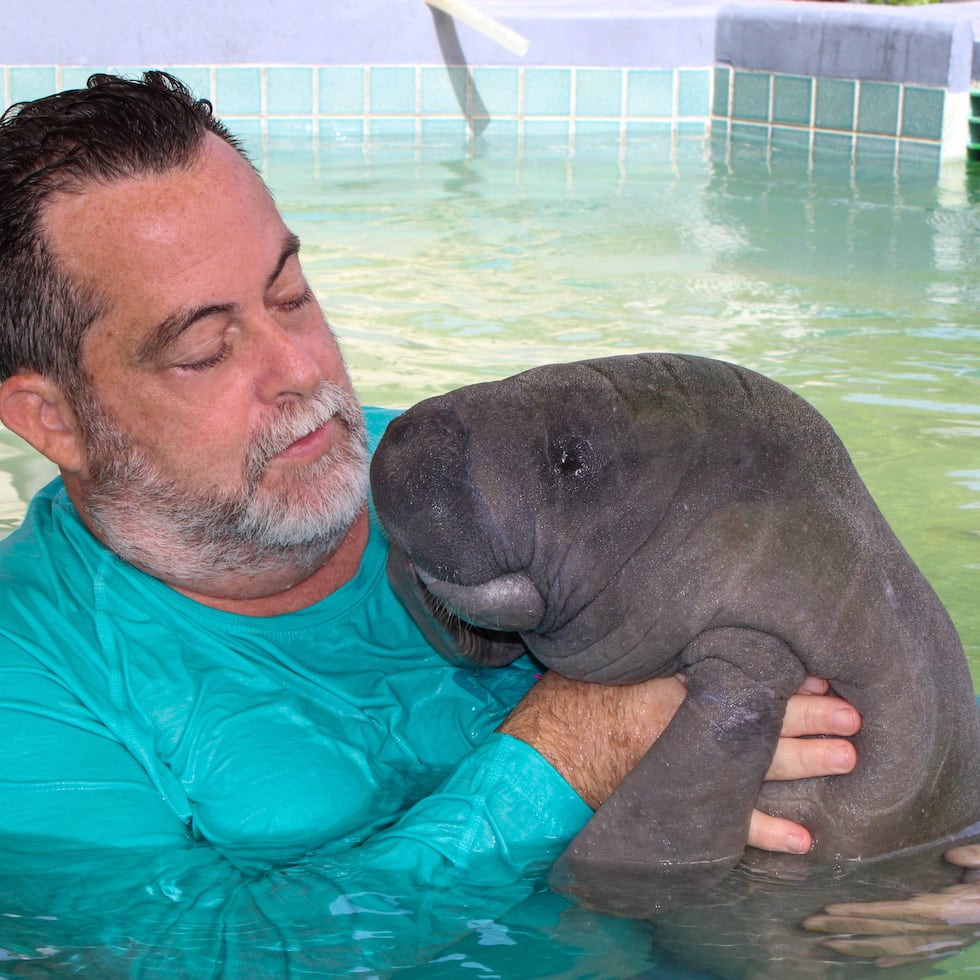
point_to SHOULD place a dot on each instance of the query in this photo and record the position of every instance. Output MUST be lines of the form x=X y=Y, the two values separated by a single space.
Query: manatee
x=631 y=517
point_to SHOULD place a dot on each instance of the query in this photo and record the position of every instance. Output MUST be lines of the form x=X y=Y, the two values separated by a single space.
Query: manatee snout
x=425 y=498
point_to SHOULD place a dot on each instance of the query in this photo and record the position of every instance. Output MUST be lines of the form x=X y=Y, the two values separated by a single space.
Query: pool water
x=857 y=290
x=440 y=266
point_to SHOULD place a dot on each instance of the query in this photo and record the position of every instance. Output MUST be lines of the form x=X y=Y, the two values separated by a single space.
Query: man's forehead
x=157 y=249
x=215 y=200
x=213 y=166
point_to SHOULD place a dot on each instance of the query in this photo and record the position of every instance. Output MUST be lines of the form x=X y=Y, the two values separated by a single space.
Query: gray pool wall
x=896 y=79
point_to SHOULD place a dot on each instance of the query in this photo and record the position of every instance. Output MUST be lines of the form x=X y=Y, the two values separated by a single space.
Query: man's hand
x=926 y=926
x=594 y=735
x=798 y=756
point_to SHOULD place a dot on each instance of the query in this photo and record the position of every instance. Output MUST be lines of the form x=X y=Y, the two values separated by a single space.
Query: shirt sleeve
x=102 y=867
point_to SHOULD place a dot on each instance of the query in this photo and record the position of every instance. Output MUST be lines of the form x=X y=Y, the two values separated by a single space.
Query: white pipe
x=483 y=23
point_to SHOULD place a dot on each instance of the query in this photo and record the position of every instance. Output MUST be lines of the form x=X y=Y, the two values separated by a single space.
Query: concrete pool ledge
x=930 y=45
x=924 y=45
x=934 y=46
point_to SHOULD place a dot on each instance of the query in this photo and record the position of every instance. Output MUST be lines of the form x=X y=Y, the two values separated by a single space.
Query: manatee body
x=631 y=517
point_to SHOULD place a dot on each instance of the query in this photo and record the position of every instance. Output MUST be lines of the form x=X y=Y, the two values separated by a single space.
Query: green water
x=859 y=290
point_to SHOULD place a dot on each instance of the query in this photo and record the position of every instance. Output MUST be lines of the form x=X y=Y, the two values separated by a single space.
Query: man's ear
x=35 y=408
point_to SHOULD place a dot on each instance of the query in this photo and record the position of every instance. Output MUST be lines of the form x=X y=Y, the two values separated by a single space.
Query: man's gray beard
x=183 y=536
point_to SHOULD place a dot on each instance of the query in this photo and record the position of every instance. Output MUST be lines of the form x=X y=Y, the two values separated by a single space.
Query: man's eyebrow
x=290 y=247
x=172 y=327
x=169 y=330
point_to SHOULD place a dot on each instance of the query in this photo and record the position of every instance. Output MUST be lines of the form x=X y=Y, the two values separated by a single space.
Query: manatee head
x=518 y=501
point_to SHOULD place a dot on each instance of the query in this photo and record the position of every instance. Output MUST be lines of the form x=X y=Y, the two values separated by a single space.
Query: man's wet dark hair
x=114 y=128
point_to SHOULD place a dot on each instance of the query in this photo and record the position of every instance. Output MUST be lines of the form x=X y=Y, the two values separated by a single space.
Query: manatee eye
x=571 y=457
x=570 y=463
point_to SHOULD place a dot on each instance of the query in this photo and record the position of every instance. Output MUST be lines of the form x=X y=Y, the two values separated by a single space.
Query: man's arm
x=594 y=735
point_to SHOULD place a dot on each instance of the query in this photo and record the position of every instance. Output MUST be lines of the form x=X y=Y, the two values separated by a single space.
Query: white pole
x=486 y=25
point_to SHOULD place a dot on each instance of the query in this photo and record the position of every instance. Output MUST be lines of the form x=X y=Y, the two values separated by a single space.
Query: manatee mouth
x=509 y=603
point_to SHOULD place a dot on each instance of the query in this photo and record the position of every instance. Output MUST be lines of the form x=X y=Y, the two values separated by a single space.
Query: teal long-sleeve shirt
x=231 y=795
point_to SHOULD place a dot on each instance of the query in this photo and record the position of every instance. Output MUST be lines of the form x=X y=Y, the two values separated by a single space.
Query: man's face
x=220 y=408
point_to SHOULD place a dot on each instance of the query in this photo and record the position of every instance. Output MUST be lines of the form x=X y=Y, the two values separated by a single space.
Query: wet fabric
x=228 y=794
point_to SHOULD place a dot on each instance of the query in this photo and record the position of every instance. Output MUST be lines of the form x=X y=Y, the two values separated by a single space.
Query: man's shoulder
x=40 y=531
x=49 y=564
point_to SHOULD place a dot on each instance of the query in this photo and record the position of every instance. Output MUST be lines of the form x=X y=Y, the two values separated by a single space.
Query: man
x=219 y=722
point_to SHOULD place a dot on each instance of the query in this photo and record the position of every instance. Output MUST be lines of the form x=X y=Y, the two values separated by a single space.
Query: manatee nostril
x=399 y=430
x=414 y=441
x=569 y=463
x=426 y=425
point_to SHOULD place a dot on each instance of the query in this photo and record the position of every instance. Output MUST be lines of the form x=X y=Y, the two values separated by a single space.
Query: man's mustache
x=297 y=420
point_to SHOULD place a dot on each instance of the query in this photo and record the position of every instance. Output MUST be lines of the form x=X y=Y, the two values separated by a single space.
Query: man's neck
x=269 y=592
x=339 y=569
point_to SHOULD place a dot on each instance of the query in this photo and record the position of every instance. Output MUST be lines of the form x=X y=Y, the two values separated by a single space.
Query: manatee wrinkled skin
x=635 y=516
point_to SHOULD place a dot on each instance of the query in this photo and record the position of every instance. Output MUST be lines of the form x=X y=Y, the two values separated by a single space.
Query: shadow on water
x=750 y=925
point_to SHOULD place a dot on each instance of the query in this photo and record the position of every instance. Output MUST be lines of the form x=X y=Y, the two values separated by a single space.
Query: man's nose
x=290 y=361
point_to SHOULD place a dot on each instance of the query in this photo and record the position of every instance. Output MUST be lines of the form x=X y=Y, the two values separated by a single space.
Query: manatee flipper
x=459 y=642
x=680 y=820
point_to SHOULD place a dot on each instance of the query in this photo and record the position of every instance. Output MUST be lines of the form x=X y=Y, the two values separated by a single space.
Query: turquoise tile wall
x=650 y=93
x=835 y=104
x=792 y=100
x=338 y=91
x=289 y=91
x=30 y=82
x=752 y=96
x=499 y=91
x=598 y=92
x=345 y=102
x=870 y=123
x=393 y=91
x=548 y=92
x=922 y=113
x=878 y=105
x=790 y=113
x=236 y=90
x=693 y=91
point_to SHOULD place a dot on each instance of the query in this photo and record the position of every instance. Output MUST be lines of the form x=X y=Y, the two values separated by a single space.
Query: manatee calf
x=635 y=516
